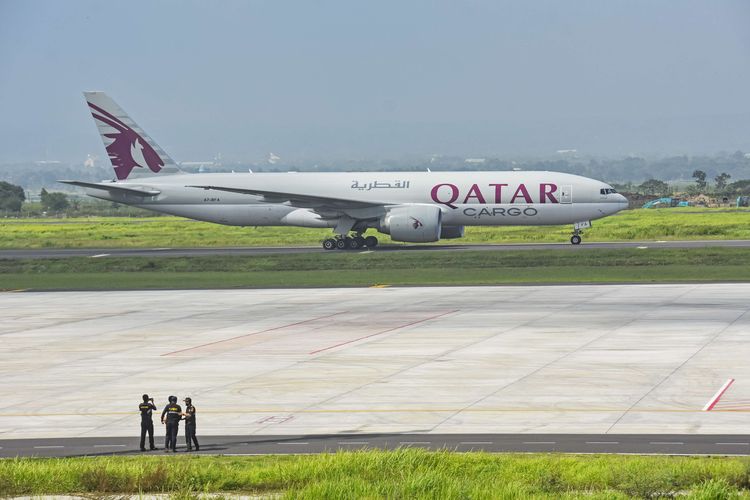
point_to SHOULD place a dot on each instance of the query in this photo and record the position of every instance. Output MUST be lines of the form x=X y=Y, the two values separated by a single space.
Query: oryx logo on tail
x=127 y=149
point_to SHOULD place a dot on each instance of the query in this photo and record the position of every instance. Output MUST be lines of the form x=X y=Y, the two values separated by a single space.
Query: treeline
x=634 y=170
x=33 y=177
x=673 y=169
x=720 y=187
x=14 y=203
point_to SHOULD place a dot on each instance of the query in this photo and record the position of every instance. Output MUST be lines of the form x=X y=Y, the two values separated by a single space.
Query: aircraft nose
x=621 y=201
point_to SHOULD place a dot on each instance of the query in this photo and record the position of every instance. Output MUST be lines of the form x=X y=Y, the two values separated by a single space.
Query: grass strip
x=394 y=268
x=403 y=473
x=121 y=232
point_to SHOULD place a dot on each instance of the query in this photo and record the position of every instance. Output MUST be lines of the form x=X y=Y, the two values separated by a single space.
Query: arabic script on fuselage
x=367 y=186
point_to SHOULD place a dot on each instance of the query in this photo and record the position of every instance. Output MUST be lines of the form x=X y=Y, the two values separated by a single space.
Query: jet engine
x=451 y=232
x=412 y=223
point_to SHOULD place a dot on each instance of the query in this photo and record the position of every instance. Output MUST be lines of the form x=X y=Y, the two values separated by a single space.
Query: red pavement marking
x=254 y=333
x=274 y=419
x=384 y=331
x=712 y=402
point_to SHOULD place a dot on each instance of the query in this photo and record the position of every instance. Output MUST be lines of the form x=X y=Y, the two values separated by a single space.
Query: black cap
x=188 y=400
x=172 y=399
x=145 y=397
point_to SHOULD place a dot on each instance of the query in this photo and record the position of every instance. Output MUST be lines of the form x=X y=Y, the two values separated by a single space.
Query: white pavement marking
x=292 y=443
x=641 y=248
x=414 y=442
x=109 y=446
x=665 y=442
x=540 y=442
x=475 y=442
x=100 y=255
x=47 y=447
x=602 y=442
x=354 y=442
x=733 y=444
x=716 y=397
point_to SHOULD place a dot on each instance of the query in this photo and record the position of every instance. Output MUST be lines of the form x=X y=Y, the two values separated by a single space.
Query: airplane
x=414 y=207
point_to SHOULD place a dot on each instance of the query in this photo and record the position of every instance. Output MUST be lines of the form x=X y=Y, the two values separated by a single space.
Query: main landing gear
x=350 y=243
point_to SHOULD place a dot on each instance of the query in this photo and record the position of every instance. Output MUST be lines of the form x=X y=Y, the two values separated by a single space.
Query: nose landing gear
x=578 y=231
x=350 y=243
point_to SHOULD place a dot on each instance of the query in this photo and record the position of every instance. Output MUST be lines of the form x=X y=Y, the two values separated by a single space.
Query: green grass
x=573 y=265
x=405 y=473
x=660 y=224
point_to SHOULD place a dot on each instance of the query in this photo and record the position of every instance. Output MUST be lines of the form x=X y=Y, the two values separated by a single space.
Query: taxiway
x=670 y=444
x=57 y=253
x=583 y=359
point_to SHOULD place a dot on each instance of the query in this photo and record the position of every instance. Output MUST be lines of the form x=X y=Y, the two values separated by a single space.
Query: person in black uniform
x=147 y=423
x=190 y=425
x=171 y=416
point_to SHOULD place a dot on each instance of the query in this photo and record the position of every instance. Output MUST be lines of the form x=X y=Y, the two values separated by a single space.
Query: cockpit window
x=607 y=191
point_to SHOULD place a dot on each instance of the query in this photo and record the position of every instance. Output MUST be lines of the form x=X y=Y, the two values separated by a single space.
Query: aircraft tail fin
x=128 y=146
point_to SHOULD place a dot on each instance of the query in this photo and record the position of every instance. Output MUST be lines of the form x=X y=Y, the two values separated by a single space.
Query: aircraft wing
x=297 y=199
x=116 y=188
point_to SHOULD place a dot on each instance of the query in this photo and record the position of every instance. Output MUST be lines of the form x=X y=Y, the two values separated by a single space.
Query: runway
x=47 y=253
x=671 y=444
x=586 y=359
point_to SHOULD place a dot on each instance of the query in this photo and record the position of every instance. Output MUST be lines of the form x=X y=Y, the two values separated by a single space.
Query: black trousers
x=171 y=441
x=190 y=436
x=147 y=426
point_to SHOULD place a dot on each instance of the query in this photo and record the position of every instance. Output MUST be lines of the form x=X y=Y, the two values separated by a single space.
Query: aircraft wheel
x=575 y=239
x=360 y=241
x=371 y=242
x=352 y=243
x=341 y=244
x=329 y=244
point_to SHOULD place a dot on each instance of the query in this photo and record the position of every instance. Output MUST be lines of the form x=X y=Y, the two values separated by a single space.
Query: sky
x=367 y=80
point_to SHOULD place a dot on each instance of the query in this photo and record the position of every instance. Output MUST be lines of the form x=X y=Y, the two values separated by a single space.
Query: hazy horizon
x=336 y=79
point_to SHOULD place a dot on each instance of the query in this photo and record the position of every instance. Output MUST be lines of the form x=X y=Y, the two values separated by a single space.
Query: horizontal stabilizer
x=115 y=188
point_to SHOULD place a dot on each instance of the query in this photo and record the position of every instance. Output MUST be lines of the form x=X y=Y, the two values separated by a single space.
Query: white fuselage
x=465 y=198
